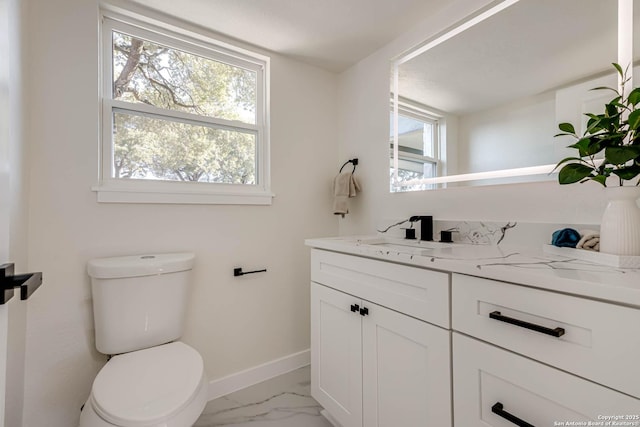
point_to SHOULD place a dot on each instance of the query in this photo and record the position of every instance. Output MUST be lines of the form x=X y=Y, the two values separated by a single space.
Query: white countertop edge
x=625 y=291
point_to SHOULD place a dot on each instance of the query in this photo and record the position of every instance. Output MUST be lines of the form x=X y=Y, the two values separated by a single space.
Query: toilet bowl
x=163 y=386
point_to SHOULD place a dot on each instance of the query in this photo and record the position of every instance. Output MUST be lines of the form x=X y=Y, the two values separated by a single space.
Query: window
x=183 y=118
x=419 y=151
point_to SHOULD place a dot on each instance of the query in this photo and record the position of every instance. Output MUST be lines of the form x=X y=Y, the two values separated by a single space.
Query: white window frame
x=407 y=108
x=114 y=190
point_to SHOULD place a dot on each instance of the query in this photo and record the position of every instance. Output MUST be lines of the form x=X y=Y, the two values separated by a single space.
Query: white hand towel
x=345 y=185
x=354 y=186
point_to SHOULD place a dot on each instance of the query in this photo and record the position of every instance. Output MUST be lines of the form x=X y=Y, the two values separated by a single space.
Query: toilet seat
x=149 y=386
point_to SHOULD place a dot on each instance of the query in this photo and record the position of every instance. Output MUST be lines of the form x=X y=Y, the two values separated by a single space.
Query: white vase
x=620 y=228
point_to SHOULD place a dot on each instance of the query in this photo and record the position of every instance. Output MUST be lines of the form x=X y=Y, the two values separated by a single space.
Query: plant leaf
x=619 y=68
x=596 y=124
x=605 y=88
x=611 y=109
x=634 y=96
x=568 y=159
x=610 y=139
x=587 y=146
x=621 y=154
x=567 y=127
x=634 y=119
x=628 y=173
x=600 y=179
x=573 y=172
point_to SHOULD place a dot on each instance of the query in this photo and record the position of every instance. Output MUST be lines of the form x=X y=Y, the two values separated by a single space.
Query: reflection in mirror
x=636 y=41
x=482 y=106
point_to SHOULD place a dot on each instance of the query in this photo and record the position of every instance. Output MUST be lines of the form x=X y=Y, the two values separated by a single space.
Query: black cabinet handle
x=498 y=409
x=355 y=308
x=556 y=332
x=364 y=311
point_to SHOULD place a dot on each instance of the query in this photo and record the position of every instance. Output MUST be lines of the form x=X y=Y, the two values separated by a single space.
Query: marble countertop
x=517 y=264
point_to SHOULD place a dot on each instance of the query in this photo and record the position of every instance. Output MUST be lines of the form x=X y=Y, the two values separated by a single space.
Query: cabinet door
x=494 y=387
x=406 y=371
x=336 y=354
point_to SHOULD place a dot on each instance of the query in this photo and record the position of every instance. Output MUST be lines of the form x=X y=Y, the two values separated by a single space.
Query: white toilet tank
x=139 y=301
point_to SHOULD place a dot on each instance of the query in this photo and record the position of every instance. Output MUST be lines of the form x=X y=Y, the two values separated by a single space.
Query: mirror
x=636 y=42
x=480 y=104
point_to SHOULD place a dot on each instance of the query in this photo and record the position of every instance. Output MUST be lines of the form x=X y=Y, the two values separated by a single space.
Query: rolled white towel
x=589 y=240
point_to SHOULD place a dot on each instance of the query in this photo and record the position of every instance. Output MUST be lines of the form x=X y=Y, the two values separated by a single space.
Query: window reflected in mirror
x=421 y=151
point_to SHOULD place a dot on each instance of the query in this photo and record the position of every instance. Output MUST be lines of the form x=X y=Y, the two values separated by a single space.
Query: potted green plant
x=609 y=150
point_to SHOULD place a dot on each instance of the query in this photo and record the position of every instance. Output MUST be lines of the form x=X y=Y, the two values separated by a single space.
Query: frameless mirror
x=480 y=104
x=636 y=41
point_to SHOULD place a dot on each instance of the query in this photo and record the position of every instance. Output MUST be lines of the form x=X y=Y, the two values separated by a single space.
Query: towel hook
x=355 y=163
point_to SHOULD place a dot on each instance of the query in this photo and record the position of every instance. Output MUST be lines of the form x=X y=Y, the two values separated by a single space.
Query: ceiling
x=330 y=34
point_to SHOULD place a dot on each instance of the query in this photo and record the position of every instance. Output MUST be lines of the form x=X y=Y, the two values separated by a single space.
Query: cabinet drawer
x=418 y=292
x=596 y=340
x=486 y=378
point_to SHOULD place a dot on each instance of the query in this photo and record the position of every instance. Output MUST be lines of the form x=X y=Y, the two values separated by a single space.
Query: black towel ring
x=355 y=163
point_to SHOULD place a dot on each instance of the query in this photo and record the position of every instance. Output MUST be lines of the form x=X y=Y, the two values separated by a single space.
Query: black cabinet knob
x=355 y=308
x=364 y=311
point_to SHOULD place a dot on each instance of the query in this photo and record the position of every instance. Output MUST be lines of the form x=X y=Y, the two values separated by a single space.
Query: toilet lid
x=147 y=386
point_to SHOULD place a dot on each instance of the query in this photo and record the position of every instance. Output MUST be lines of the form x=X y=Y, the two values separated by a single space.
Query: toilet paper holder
x=238 y=271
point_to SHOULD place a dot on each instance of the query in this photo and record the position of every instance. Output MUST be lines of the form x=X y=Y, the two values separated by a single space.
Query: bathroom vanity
x=432 y=334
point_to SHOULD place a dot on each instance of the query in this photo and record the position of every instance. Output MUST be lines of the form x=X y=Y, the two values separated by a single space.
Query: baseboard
x=257 y=374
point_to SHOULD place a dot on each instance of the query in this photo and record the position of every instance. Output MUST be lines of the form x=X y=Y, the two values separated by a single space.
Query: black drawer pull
x=355 y=308
x=498 y=409
x=364 y=311
x=557 y=332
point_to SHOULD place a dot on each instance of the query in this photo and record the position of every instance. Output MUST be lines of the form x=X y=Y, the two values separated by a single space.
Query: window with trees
x=183 y=118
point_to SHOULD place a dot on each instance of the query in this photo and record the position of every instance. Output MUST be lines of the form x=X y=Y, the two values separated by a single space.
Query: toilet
x=151 y=380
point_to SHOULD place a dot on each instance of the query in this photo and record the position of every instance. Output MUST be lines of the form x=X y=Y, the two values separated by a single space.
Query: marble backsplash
x=490 y=233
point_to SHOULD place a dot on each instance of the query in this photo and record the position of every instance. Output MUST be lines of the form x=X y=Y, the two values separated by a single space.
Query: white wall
x=518 y=134
x=363 y=132
x=235 y=323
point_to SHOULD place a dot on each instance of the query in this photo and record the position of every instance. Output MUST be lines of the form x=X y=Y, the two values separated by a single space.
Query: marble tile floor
x=283 y=401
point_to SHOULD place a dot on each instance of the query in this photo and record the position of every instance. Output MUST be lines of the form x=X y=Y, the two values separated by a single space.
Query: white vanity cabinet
x=516 y=350
x=371 y=365
x=398 y=345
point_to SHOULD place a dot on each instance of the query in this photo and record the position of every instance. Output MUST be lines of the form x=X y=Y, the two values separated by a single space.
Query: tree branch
x=133 y=59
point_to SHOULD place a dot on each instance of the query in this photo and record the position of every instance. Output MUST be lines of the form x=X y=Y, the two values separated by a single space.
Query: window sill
x=109 y=194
